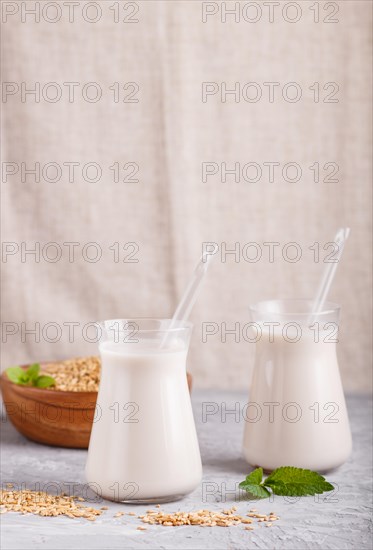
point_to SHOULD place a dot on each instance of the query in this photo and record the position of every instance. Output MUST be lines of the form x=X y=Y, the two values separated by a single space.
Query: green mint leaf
x=15 y=374
x=44 y=381
x=256 y=476
x=252 y=484
x=290 y=481
x=24 y=379
x=33 y=372
x=257 y=491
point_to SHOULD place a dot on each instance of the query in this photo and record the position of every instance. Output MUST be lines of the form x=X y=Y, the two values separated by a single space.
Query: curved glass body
x=143 y=445
x=296 y=415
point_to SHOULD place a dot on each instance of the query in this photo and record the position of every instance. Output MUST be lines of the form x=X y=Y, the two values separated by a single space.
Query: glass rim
x=185 y=325
x=328 y=308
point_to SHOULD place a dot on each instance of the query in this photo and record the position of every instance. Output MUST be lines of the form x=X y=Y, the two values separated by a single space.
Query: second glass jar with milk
x=296 y=414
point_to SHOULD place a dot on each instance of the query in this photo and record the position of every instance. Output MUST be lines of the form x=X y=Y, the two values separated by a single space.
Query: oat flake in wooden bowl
x=76 y=375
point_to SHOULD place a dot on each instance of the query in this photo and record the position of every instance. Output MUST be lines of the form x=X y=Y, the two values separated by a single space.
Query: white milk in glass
x=296 y=414
x=143 y=444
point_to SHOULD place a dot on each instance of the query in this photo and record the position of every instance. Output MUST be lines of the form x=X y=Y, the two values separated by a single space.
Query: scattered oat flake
x=44 y=504
x=203 y=518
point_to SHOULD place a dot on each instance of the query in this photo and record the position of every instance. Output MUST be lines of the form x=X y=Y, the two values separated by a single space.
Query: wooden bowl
x=58 y=418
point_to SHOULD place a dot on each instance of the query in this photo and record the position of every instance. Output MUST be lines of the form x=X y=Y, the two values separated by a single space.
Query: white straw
x=190 y=294
x=328 y=274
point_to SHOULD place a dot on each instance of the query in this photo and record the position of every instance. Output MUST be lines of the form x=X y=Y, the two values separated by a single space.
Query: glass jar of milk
x=143 y=445
x=296 y=414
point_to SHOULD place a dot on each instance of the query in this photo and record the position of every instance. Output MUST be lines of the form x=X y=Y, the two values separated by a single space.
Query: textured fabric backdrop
x=169 y=133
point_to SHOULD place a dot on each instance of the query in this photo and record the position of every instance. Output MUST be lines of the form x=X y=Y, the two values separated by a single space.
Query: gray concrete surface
x=335 y=521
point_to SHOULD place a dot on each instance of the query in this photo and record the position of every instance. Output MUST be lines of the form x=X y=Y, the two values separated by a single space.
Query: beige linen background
x=170 y=211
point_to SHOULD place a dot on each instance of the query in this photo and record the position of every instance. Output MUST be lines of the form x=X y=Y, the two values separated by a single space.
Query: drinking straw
x=328 y=274
x=190 y=294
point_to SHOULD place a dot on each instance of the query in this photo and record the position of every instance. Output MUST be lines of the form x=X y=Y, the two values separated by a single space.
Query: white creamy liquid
x=154 y=453
x=305 y=373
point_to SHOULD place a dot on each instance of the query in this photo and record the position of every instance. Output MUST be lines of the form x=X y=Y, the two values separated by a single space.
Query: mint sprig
x=30 y=376
x=285 y=481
